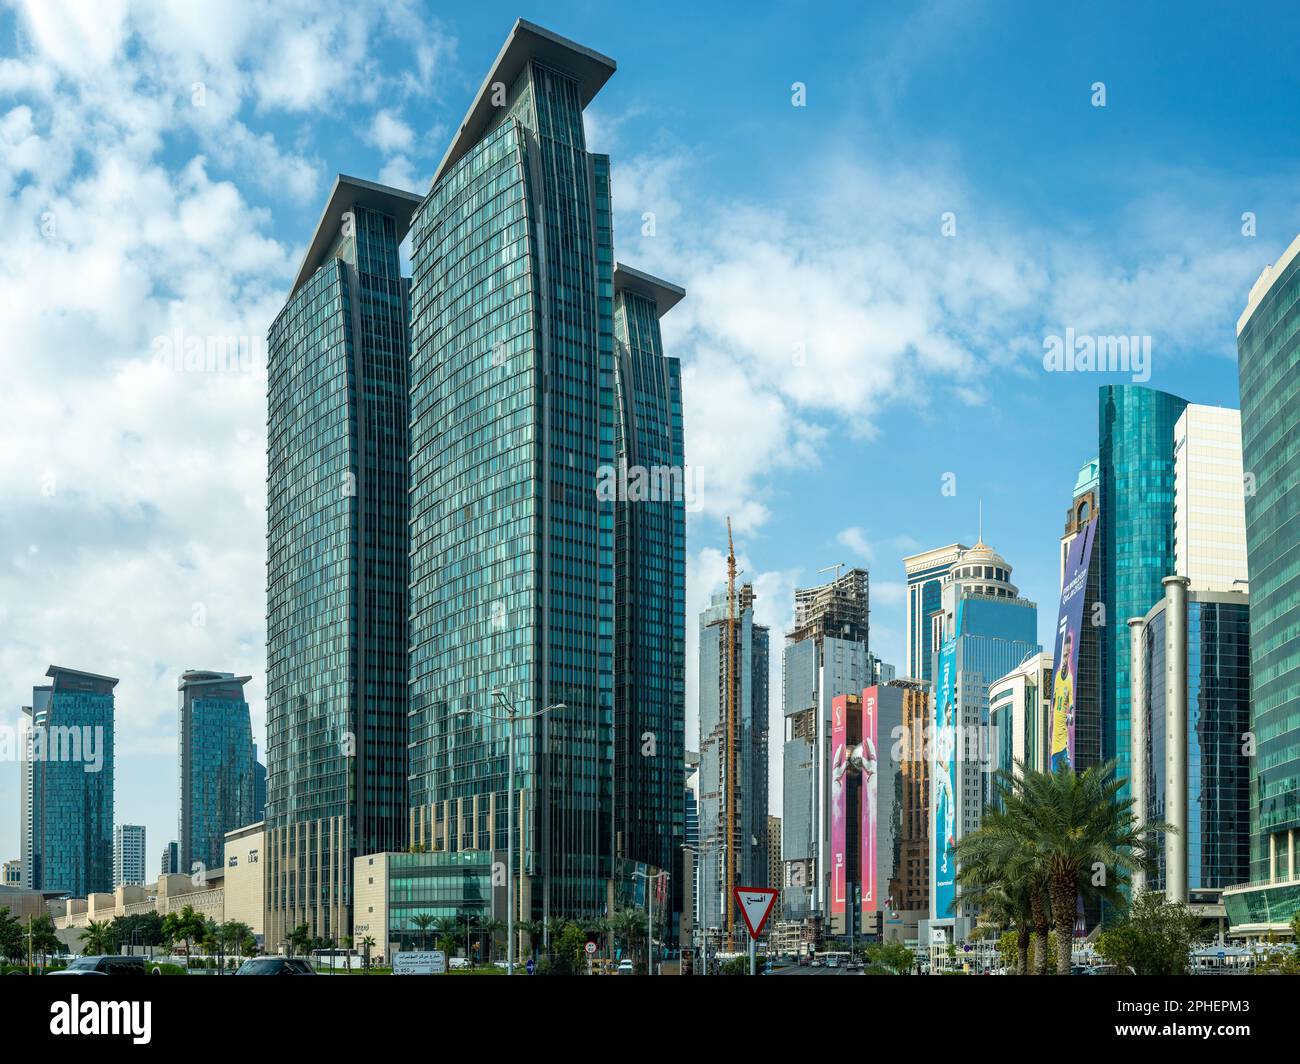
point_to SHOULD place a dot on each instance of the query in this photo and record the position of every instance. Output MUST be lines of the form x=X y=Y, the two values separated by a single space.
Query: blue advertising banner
x=1065 y=662
x=944 y=775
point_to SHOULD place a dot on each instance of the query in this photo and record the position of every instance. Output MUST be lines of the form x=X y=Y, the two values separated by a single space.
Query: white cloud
x=806 y=317
x=389 y=133
x=138 y=151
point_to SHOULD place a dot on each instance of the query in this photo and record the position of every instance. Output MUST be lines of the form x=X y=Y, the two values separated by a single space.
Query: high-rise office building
x=70 y=778
x=1020 y=720
x=215 y=760
x=32 y=722
x=733 y=755
x=170 y=864
x=649 y=487
x=259 y=788
x=1268 y=344
x=983 y=631
x=925 y=576
x=1209 y=499
x=1135 y=539
x=1084 y=510
x=910 y=896
x=1191 y=691
x=513 y=420
x=337 y=561
x=128 y=855
x=825 y=656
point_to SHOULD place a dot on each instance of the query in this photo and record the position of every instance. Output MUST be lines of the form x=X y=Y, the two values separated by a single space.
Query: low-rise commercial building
x=390 y=890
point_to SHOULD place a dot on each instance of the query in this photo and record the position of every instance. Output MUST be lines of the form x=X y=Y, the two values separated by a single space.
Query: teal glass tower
x=217 y=777
x=336 y=561
x=650 y=488
x=1135 y=539
x=512 y=405
x=70 y=776
x=1268 y=343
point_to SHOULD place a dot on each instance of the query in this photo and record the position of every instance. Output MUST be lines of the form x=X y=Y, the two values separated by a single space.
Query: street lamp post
x=512 y=716
x=649 y=918
x=703 y=967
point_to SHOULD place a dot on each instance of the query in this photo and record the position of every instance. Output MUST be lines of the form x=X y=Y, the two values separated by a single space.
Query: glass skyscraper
x=1268 y=343
x=650 y=571
x=512 y=406
x=1135 y=540
x=217 y=780
x=337 y=561
x=926 y=573
x=1210 y=631
x=70 y=774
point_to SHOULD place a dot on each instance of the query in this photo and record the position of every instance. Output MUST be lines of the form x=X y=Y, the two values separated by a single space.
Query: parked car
x=104 y=964
x=275 y=966
x=625 y=966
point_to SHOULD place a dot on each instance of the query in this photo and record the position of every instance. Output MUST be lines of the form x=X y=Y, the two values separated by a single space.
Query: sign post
x=755 y=906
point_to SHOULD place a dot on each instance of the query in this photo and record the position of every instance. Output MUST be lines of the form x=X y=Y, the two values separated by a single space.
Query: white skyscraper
x=128 y=855
x=1209 y=499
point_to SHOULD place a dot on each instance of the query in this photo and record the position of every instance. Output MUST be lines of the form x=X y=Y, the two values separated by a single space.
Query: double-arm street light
x=510 y=716
x=699 y=853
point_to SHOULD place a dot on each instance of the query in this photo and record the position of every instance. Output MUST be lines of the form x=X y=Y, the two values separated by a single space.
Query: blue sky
x=841 y=353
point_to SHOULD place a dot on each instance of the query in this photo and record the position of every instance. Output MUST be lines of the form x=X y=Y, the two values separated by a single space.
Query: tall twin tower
x=438 y=546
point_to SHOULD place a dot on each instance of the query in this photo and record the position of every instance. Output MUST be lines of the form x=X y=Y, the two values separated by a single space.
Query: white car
x=624 y=967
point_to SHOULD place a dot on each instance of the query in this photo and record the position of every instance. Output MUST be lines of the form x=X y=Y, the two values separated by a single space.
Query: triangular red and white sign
x=755 y=906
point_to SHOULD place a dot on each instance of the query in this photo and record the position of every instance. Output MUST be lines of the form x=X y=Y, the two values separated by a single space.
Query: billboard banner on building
x=1065 y=662
x=839 y=802
x=868 y=793
x=943 y=827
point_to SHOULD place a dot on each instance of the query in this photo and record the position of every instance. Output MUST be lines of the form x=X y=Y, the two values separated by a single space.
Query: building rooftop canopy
x=394 y=202
x=664 y=294
x=527 y=42
x=55 y=671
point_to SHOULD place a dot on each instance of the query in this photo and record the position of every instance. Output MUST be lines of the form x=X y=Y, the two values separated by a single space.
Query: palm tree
x=492 y=927
x=1081 y=825
x=98 y=937
x=1055 y=832
x=298 y=939
x=1000 y=874
x=367 y=944
x=628 y=925
x=423 y=921
x=534 y=929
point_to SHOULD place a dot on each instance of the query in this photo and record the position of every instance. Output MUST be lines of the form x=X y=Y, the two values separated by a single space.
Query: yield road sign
x=755 y=906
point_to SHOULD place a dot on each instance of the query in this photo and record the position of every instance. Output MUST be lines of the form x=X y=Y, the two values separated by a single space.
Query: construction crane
x=731 y=738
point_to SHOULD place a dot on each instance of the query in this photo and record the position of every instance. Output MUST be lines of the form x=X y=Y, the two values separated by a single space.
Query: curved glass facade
x=650 y=621
x=336 y=565
x=512 y=551
x=71 y=782
x=217 y=781
x=1135 y=538
x=1268 y=343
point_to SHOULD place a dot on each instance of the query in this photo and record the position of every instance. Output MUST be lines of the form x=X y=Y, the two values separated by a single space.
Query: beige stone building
x=245 y=880
x=235 y=892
